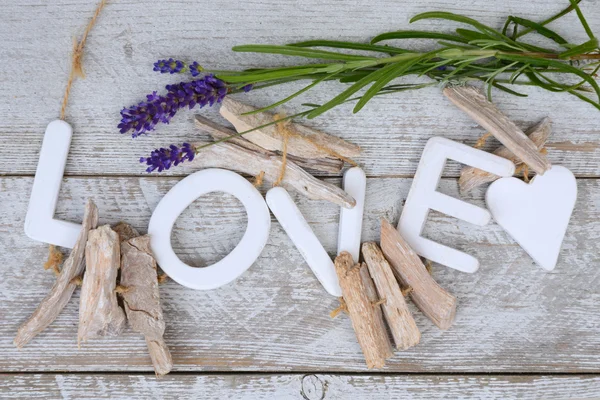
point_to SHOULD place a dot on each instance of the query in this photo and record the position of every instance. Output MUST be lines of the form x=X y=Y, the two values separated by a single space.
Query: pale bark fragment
x=486 y=114
x=218 y=132
x=231 y=156
x=142 y=300
x=436 y=303
x=125 y=231
x=99 y=312
x=310 y=143
x=371 y=336
x=64 y=286
x=399 y=319
x=471 y=177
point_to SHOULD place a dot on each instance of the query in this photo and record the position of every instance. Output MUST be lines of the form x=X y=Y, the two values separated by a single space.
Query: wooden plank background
x=268 y=334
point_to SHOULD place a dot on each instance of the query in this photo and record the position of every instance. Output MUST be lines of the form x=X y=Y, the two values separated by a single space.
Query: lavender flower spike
x=169 y=66
x=144 y=117
x=162 y=159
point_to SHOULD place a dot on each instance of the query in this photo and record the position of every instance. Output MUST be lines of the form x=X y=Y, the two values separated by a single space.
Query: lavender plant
x=499 y=59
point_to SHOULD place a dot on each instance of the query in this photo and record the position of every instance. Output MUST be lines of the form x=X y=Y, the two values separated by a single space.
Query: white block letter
x=350 y=230
x=40 y=223
x=423 y=197
x=179 y=198
x=296 y=227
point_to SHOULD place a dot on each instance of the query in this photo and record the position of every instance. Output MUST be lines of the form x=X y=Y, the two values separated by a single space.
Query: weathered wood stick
x=237 y=158
x=64 y=286
x=400 y=320
x=99 y=312
x=310 y=143
x=371 y=337
x=142 y=299
x=432 y=300
x=371 y=292
x=471 y=177
x=217 y=132
x=486 y=114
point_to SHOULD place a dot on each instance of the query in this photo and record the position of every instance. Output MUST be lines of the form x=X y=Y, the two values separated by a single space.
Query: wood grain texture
x=299 y=387
x=276 y=315
x=131 y=35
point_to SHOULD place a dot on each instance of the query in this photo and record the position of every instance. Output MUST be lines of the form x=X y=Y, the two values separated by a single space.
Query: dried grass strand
x=76 y=59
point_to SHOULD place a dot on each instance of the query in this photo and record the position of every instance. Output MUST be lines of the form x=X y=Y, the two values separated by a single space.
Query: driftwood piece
x=436 y=303
x=217 y=132
x=125 y=231
x=99 y=312
x=471 y=177
x=370 y=332
x=309 y=143
x=64 y=286
x=486 y=114
x=142 y=300
x=371 y=292
x=399 y=319
x=231 y=156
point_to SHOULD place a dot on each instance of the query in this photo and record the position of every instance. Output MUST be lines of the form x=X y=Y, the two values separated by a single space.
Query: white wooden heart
x=536 y=215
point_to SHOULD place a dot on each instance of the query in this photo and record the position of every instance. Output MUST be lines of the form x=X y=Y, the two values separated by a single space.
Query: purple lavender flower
x=196 y=69
x=247 y=88
x=144 y=117
x=162 y=159
x=171 y=66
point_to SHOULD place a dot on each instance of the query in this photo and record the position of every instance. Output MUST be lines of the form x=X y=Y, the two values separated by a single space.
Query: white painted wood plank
x=293 y=386
x=512 y=316
x=131 y=35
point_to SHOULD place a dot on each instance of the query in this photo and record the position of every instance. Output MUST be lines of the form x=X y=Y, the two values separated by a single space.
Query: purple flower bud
x=196 y=69
x=171 y=66
x=162 y=159
x=144 y=117
x=247 y=88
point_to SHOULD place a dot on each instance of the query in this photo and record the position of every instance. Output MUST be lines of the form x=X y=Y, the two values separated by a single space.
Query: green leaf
x=575 y=5
x=417 y=35
x=585 y=98
x=547 y=21
x=457 y=18
x=350 y=45
x=471 y=35
x=550 y=34
x=340 y=98
x=481 y=27
x=267 y=76
x=298 y=52
x=556 y=64
x=535 y=80
x=395 y=71
x=507 y=90
x=296 y=94
x=583 y=48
